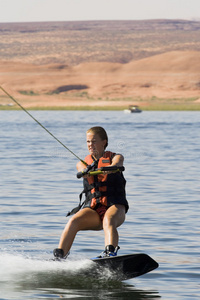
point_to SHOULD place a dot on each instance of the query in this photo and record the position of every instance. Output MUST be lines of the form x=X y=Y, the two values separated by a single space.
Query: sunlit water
x=39 y=186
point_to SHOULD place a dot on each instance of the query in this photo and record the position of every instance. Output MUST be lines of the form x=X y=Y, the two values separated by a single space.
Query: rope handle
x=101 y=170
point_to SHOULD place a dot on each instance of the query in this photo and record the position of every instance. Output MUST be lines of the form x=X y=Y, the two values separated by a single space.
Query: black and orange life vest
x=105 y=189
x=108 y=189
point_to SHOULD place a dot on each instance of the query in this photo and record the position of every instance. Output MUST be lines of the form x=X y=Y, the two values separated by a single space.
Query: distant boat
x=133 y=109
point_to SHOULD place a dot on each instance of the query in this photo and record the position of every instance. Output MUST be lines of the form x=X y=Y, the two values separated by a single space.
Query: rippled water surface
x=39 y=186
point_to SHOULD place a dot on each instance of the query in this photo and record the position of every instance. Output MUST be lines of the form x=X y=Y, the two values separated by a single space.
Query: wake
x=28 y=270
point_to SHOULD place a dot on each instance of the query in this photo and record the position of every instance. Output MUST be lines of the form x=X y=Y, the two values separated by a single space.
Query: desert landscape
x=101 y=64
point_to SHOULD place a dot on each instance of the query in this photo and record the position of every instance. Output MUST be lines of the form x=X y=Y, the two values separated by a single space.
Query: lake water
x=39 y=186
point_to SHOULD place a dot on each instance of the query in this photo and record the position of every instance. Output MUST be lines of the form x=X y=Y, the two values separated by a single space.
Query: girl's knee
x=114 y=220
x=73 y=223
x=109 y=222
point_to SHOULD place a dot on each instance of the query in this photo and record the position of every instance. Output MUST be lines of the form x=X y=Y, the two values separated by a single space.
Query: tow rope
x=12 y=98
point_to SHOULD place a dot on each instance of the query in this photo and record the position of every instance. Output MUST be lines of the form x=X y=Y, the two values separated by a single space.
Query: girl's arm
x=117 y=160
x=80 y=166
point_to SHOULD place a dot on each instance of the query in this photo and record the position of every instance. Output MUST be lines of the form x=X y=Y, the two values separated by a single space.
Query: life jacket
x=96 y=187
x=105 y=189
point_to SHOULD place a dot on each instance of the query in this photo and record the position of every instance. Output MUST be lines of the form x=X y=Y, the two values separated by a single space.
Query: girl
x=105 y=205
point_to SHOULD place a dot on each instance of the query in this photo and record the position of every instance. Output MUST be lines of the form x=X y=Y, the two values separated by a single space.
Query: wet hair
x=101 y=133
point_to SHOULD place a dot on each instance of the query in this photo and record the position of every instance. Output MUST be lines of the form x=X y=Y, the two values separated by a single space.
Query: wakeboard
x=128 y=266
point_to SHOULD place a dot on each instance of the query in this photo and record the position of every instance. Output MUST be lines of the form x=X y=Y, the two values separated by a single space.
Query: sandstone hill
x=100 y=63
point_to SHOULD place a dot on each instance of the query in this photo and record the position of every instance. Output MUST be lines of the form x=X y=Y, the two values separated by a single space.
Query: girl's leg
x=113 y=218
x=85 y=219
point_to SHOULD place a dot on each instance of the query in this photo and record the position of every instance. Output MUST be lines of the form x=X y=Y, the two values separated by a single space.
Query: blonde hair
x=101 y=133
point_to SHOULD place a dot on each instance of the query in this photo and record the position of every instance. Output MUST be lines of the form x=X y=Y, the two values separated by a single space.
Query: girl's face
x=95 y=144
